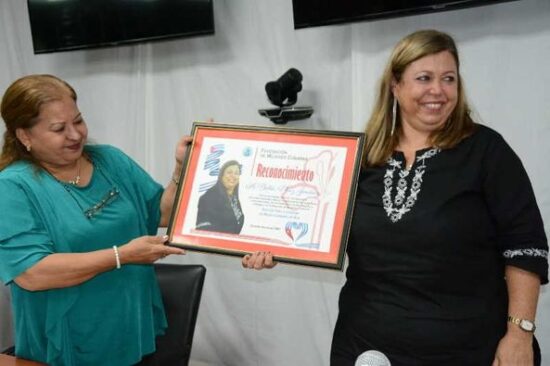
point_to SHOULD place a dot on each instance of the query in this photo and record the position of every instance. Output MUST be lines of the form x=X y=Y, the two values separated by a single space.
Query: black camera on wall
x=283 y=93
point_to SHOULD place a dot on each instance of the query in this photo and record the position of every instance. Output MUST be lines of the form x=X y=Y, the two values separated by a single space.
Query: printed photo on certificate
x=287 y=191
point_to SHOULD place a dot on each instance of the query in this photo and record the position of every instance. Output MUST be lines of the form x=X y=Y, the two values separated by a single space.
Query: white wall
x=142 y=97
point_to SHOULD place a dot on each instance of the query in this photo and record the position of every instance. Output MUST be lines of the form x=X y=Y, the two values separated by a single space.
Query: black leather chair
x=9 y=351
x=181 y=287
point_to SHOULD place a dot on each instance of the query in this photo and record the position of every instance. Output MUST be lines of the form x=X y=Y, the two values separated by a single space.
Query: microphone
x=372 y=358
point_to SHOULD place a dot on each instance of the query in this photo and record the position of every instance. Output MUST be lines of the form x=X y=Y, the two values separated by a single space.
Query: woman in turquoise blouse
x=77 y=234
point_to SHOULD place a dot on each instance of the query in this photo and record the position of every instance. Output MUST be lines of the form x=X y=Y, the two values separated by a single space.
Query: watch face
x=527 y=325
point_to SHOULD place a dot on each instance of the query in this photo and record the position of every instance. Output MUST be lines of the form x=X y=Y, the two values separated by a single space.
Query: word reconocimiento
x=284 y=173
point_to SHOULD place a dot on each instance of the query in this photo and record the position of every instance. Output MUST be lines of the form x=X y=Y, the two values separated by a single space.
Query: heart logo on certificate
x=296 y=230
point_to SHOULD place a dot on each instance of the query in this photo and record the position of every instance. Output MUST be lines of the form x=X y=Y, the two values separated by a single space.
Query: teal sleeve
x=151 y=192
x=23 y=238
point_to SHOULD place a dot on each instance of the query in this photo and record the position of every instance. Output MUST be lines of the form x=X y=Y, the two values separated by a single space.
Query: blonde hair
x=20 y=108
x=380 y=143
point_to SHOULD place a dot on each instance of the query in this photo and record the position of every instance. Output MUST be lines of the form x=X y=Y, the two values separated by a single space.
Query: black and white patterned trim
x=527 y=252
x=402 y=204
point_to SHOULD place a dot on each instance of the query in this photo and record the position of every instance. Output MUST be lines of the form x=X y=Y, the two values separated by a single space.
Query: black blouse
x=428 y=247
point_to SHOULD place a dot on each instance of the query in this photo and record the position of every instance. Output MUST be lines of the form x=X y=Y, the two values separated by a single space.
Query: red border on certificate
x=333 y=227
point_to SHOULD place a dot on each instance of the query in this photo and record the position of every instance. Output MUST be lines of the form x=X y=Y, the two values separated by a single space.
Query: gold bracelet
x=525 y=324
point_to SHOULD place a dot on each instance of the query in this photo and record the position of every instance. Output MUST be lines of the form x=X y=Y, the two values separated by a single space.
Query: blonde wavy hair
x=20 y=108
x=380 y=143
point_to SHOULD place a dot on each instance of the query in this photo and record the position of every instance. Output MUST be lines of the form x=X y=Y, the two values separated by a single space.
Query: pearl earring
x=393 y=116
x=28 y=147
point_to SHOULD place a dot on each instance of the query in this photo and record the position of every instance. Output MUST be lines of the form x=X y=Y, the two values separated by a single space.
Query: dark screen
x=311 y=13
x=75 y=24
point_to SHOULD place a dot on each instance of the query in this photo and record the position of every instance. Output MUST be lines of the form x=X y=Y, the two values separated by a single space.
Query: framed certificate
x=288 y=191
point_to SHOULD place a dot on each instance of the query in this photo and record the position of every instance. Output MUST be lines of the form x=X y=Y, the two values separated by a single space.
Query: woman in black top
x=447 y=241
x=219 y=207
x=447 y=248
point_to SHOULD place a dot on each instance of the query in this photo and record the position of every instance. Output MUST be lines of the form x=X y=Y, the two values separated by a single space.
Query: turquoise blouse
x=111 y=319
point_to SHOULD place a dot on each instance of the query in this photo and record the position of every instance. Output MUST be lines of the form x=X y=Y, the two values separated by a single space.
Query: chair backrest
x=181 y=287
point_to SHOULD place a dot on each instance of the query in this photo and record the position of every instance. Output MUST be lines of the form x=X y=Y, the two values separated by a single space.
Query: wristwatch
x=524 y=324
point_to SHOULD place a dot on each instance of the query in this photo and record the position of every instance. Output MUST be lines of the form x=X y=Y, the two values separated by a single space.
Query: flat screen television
x=62 y=25
x=312 y=13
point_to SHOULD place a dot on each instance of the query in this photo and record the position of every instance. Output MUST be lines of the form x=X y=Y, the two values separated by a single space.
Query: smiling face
x=230 y=177
x=57 y=139
x=427 y=93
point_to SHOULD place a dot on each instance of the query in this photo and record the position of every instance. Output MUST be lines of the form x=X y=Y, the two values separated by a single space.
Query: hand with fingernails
x=259 y=260
x=147 y=249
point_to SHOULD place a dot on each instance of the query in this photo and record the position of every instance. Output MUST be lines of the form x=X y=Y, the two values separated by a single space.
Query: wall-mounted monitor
x=312 y=13
x=62 y=25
